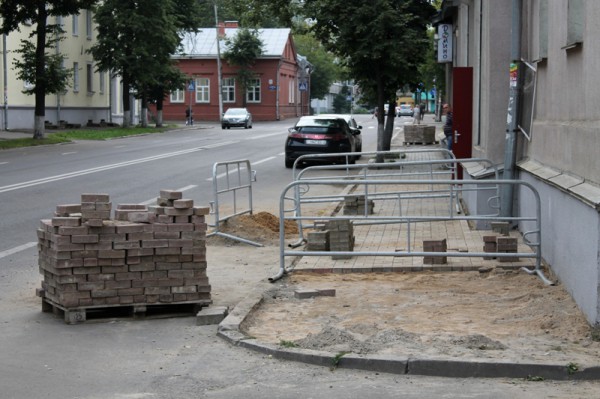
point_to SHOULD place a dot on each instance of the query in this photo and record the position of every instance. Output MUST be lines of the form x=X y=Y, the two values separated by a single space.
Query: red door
x=462 y=107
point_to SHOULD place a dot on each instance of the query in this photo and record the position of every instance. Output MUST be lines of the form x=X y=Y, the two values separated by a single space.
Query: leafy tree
x=135 y=40
x=242 y=51
x=341 y=105
x=381 y=42
x=37 y=66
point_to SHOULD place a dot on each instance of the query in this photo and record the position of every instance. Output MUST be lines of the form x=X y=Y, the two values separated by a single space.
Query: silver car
x=236 y=117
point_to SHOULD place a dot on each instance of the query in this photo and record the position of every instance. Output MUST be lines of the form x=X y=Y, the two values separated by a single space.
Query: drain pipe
x=510 y=150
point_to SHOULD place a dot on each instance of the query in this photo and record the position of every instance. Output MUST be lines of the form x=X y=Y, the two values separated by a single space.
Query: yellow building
x=91 y=96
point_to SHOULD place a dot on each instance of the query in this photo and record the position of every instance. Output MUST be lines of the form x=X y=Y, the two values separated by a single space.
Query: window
x=202 y=90
x=101 y=82
x=253 y=91
x=75 y=26
x=177 y=96
x=575 y=19
x=88 y=24
x=229 y=90
x=90 y=78
x=76 y=76
x=291 y=91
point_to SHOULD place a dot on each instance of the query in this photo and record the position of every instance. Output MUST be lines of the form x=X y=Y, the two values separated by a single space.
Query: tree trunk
x=159 y=112
x=144 y=116
x=125 y=98
x=40 y=85
x=389 y=126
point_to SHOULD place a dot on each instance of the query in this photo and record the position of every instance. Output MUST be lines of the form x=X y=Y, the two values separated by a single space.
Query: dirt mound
x=261 y=227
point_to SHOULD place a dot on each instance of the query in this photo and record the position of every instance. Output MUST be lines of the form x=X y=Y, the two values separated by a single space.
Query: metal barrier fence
x=389 y=170
x=396 y=190
x=232 y=181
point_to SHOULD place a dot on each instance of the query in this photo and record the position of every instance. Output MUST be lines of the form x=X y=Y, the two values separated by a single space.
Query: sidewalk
x=460 y=238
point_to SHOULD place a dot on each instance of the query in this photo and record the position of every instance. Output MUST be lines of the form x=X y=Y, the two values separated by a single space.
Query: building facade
x=91 y=95
x=278 y=91
x=547 y=52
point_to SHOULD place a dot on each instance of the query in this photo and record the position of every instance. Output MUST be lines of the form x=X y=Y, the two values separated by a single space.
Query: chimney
x=231 y=24
x=221 y=29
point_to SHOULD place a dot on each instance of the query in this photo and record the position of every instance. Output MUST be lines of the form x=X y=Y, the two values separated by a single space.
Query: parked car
x=355 y=127
x=321 y=134
x=405 y=110
x=236 y=117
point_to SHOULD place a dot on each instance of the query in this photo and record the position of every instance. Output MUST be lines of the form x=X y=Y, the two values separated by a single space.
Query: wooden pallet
x=137 y=311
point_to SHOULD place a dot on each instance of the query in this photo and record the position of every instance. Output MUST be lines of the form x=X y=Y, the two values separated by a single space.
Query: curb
x=229 y=330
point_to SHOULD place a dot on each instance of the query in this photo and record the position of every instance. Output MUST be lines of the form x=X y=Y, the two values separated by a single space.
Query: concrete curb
x=229 y=330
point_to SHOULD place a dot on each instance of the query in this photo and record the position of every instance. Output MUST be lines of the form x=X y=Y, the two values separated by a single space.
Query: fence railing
x=398 y=190
x=232 y=187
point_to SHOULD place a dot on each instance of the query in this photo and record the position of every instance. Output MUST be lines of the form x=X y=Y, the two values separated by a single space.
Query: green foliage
x=381 y=43
x=54 y=77
x=336 y=360
x=288 y=344
x=252 y=13
x=572 y=368
x=242 y=51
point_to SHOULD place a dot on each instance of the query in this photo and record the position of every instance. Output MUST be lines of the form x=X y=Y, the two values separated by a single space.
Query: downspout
x=510 y=150
x=5 y=77
x=277 y=91
x=59 y=21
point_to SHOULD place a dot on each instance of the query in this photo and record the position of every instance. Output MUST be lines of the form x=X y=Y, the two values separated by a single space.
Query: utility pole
x=219 y=72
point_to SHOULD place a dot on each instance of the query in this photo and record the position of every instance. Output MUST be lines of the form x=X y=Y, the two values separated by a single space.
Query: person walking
x=416 y=115
x=422 y=110
x=448 y=130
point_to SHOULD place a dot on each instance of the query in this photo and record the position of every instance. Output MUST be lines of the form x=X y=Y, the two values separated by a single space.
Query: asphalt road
x=42 y=357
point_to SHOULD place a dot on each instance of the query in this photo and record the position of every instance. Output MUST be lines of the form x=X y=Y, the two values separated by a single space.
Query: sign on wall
x=445 y=43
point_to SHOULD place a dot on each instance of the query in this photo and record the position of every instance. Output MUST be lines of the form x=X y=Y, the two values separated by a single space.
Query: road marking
x=69 y=153
x=14 y=250
x=153 y=200
x=3 y=163
x=266 y=135
x=49 y=179
x=221 y=175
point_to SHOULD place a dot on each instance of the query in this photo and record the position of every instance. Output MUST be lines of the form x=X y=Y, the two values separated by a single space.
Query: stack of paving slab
x=334 y=235
x=357 y=205
x=419 y=134
x=145 y=256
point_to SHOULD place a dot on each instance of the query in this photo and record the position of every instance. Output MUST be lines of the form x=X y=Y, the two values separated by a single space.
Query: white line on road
x=108 y=167
x=179 y=189
x=219 y=176
x=14 y=250
x=69 y=153
x=3 y=163
x=265 y=135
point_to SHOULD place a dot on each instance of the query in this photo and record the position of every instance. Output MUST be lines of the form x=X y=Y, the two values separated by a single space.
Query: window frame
x=76 y=77
x=253 y=90
x=228 y=90
x=202 y=94
x=177 y=96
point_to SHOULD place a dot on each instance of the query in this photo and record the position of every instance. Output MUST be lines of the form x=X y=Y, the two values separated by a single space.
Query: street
x=42 y=357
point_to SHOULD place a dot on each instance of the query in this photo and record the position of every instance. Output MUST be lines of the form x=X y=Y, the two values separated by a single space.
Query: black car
x=236 y=117
x=318 y=135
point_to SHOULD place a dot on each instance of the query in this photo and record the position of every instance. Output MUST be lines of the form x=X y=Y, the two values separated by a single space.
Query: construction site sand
x=491 y=316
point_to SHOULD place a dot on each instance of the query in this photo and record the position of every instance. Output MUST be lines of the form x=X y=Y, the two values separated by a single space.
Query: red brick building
x=275 y=93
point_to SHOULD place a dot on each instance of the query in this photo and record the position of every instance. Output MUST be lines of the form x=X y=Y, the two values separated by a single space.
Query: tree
x=242 y=51
x=381 y=42
x=38 y=66
x=135 y=40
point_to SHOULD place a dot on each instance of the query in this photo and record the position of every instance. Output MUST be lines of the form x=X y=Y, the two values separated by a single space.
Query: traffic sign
x=192 y=85
x=302 y=86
